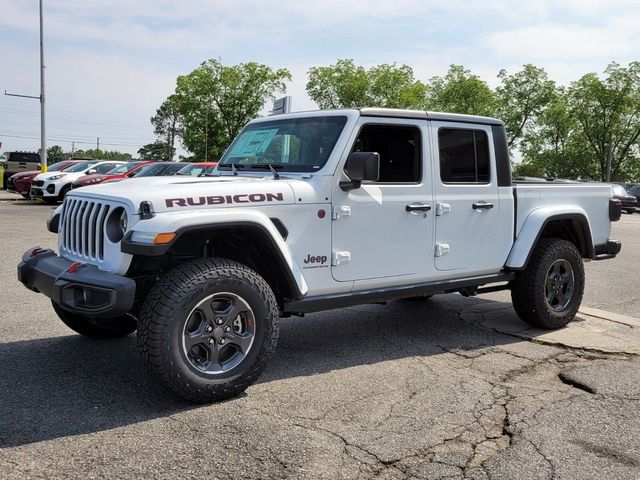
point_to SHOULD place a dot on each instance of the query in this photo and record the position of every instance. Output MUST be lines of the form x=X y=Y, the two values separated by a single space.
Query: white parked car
x=53 y=186
x=308 y=212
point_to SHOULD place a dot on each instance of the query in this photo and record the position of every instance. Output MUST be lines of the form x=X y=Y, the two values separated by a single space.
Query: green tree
x=607 y=112
x=157 y=151
x=215 y=101
x=520 y=98
x=459 y=91
x=552 y=149
x=343 y=85
x=167 y=125
x=347 y=85
x=55 y=154
x=101 y=155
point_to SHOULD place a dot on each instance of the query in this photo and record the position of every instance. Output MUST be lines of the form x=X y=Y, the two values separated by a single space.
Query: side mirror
x=361 y=166
x=91 y=172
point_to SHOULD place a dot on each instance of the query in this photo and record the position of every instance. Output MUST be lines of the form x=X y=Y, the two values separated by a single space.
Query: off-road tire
x=528 y=288
x=166 y=309
x=97 y=328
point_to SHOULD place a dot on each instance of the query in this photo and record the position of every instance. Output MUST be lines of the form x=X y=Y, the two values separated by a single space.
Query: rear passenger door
x=469 y=235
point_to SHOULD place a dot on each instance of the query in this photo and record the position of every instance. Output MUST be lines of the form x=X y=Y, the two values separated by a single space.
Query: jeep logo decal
x=315 y=261
x=224 y=199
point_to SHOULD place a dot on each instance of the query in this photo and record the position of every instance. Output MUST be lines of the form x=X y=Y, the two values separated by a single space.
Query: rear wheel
x=97 y=328
x=208 y=329
x=548 y=293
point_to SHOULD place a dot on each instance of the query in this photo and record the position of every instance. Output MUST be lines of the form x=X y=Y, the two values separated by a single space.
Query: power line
x=69 y=140
x=78 y=120
x=77 y=136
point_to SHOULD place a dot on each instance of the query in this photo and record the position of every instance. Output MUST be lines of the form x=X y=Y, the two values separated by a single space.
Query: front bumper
x=79 y=288
x=48 y=190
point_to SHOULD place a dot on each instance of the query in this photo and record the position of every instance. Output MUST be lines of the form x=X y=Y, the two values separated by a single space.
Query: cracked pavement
x=413 y=389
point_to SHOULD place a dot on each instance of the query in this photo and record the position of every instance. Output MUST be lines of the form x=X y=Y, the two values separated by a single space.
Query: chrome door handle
x=482 y=205
x=417 y=207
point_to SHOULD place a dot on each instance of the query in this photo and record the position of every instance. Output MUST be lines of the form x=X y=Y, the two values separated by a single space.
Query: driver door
x=385 y=228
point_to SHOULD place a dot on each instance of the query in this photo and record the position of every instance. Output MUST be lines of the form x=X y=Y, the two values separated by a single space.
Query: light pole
x=43 y=130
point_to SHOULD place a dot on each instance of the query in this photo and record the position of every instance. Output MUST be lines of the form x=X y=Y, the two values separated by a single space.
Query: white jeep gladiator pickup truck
x=308 y=212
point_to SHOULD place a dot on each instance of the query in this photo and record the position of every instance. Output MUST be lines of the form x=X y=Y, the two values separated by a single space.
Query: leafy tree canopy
x=346 y=85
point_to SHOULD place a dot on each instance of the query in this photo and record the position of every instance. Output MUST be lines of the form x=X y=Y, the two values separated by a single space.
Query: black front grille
x=37 y=183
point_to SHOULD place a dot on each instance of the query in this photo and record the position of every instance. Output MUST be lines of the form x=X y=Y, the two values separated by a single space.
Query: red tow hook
x=36 y=251
x=73 y=268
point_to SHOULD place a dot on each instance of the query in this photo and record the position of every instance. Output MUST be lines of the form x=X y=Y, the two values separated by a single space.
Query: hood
x=68 y=175
x=175 y=193
x=25 y=175
x=88 y=179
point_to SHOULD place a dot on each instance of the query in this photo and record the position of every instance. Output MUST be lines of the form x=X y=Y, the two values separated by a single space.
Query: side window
x=399 y=150
x=104 y=168
x=464 y=155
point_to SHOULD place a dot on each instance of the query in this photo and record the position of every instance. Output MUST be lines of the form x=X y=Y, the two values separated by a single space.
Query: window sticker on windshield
x=253 y=143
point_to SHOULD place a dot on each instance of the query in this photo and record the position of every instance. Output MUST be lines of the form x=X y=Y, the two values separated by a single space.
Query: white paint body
x=366 y=233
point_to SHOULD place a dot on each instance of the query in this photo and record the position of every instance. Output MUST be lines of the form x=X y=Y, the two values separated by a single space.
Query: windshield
x=122 y=168
x=193 y=170
x=619 y=190
x=56 y=166
x=151 y=170
x=296 y=145
x=80 y=167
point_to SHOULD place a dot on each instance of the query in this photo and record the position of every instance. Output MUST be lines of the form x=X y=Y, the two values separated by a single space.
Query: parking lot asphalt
x=406 y=390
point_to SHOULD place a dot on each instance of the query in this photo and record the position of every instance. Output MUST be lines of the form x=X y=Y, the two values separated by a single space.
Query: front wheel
x=208 y=329
x=97 y=328
x=548 y=292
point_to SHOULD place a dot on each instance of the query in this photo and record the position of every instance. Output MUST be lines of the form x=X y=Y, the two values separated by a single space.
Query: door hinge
x=341 y=211
x=442 y=208
x=442 y=249
x=340 y=258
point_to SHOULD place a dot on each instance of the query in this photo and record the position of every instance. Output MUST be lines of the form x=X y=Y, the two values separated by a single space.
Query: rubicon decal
x=224 y=199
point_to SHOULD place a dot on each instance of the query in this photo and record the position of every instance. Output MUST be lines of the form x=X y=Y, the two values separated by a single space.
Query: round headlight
x=117 y=225
x=123 y=222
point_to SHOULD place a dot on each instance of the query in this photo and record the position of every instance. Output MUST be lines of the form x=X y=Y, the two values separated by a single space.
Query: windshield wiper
x=270 y=167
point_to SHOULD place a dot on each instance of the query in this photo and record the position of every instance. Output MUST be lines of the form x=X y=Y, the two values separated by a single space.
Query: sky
x=109 y=65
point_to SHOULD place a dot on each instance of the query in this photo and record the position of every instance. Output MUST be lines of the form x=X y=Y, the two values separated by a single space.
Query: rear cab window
x=464 y=156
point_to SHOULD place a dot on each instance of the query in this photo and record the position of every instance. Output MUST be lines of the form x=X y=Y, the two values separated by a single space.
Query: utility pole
x=609 y=159
x=206 y=138
x=98 y=143
x=73 y=148
x=43 y=130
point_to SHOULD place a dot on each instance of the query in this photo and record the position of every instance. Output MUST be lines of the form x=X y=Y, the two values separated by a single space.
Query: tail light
x=615 y=209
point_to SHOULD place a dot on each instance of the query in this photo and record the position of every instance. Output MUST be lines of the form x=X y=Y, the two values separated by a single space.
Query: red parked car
x=20 y=183
x=121 y=171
